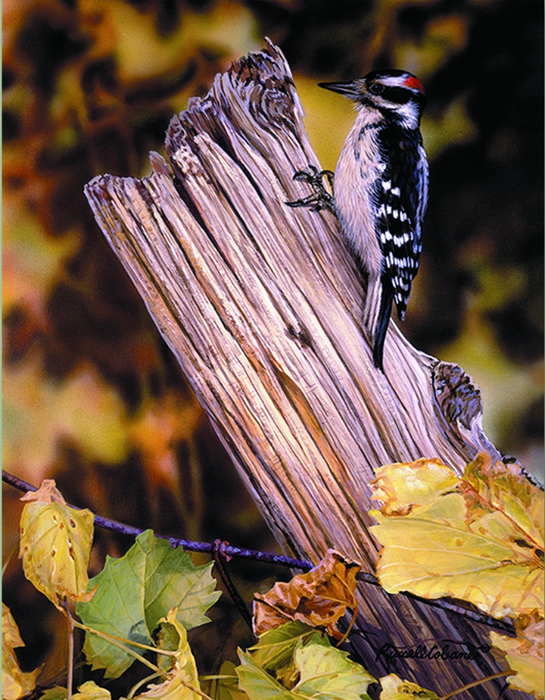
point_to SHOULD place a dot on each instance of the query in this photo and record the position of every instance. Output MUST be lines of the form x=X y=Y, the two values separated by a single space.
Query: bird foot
x=320 y=198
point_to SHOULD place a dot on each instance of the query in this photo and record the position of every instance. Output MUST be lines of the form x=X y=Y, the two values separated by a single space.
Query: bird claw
x=320 y=198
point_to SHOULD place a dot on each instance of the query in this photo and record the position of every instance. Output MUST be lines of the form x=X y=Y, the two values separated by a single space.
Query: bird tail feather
x=383 y=320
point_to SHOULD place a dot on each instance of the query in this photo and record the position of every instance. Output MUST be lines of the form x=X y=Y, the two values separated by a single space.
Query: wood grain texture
x=262 y=304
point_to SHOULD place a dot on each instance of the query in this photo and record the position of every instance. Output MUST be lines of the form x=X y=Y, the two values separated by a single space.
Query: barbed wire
x=227 y=551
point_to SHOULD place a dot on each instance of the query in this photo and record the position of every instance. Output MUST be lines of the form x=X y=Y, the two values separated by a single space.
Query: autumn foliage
x=477 y=538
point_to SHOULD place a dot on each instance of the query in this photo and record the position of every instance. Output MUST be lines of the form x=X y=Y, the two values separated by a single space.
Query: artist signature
x=447 y=650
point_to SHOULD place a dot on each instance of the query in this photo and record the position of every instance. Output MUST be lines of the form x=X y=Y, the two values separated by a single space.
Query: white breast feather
x=355 y=174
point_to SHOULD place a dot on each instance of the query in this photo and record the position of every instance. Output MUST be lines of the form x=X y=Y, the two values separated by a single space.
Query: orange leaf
x=318 y=598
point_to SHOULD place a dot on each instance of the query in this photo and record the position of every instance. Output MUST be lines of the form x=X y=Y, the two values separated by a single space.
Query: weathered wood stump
x=261 y=304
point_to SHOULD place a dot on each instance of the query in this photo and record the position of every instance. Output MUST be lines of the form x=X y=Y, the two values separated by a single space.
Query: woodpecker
x=380 y=191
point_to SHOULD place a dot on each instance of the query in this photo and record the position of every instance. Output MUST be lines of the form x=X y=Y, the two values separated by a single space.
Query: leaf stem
x=501 y=674
x=116 y=642
x=108 y=637
x=11 y=553
x=345 y=635
x=140 y=684
x=70 y=676
x=195 y=690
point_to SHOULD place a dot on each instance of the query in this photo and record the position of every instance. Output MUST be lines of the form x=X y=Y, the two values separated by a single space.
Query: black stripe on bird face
x=395 y=95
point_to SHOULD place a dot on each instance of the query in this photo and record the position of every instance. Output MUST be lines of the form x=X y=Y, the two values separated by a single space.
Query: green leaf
x=87 y=691
x=225 y=686
x=324 y=671
x=172 y=580
x=57 y=692
x=276 y=646
x=135 y=592
x=327 y=672
x=258 y=684
x=117 y=608
x=167 y=639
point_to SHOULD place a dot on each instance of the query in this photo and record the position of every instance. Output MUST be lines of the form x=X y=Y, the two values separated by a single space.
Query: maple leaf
x=257 y=683
x=318 y=598
x=135 y=591
x=32 y=260
x=402 y=488
x=468 y=537
x=40 y=412
x=524 y=654
x=15 y=683
x=327 y=672
x=56 y=544
x=57 y=692
x=324 y=671
x=274 y=650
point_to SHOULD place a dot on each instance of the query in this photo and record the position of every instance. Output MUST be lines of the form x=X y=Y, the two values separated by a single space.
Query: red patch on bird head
x=414 y=83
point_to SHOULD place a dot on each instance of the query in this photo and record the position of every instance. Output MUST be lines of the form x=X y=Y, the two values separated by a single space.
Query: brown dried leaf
x=318 y=598
x=47 y=493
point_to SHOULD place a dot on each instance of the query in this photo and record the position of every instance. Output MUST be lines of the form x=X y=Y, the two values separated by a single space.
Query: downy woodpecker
x=381 y=191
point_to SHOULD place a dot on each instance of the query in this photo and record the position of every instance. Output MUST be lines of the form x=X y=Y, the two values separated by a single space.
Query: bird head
x=395 y=93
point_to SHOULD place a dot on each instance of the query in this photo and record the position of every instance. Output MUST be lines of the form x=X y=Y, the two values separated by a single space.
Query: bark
x=261 y=304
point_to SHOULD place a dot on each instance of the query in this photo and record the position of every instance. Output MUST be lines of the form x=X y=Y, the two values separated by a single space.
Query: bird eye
x=376 y=88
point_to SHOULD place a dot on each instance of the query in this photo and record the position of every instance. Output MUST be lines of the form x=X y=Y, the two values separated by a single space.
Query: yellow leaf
x=524 y=654
x=55 y=544
x=504 y=487
x=91 y=691
x=15 y=683
x=182 y=681
x=401 y=487
x=318 y=598
x=467 y=538
x=393 y=688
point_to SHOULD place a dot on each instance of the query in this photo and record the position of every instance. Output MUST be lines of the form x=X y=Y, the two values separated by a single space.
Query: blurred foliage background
x=91 y=395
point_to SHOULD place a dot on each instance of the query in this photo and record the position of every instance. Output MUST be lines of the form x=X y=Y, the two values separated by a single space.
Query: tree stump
x=261 y=304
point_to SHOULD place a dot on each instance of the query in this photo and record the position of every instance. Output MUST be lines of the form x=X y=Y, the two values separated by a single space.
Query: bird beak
x=348 y=89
